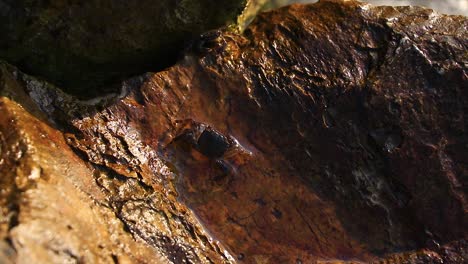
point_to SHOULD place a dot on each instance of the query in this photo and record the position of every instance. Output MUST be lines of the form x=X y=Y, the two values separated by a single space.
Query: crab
x=201 y=150
x=209 y=41
x=210 y=142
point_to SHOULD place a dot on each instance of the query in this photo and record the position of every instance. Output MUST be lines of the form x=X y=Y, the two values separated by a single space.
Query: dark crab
x=202 y=144
x=207 y=42
x=209 y=141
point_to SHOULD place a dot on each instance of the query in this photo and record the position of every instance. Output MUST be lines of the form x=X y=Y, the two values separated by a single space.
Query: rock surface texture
x=59 y=208
x=325 y=133
x=82 y=46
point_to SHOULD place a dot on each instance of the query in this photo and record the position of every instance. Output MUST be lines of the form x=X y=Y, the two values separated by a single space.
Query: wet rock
x=59 y=207
x=349 y=131
x=84 y=47
x=7 y=253
x=343 y=142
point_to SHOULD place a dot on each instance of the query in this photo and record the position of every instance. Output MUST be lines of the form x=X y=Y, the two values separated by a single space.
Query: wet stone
x=342 y=141
x=119 y=48
x=7 y=253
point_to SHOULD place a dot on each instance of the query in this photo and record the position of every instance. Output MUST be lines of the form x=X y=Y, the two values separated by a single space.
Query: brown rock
x=57 y=208
x=333 y=132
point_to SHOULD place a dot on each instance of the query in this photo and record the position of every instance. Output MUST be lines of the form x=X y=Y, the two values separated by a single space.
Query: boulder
x=56 y=207
x=325 y=133
x=85 y=46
